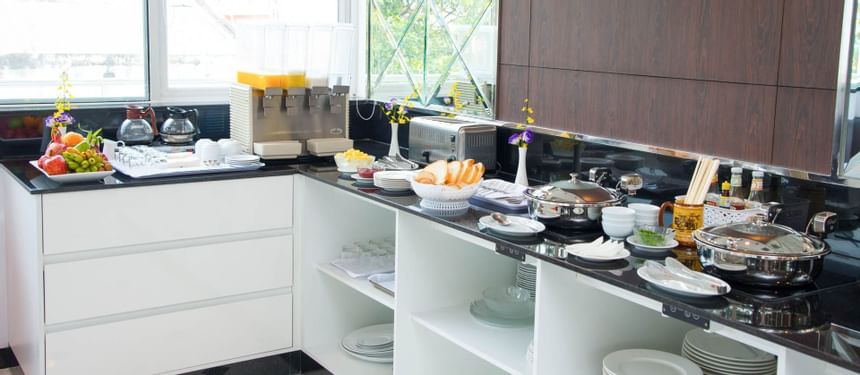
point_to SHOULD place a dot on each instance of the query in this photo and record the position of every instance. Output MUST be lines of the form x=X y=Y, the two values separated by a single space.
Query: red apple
x=55 y=148
x=56 y=165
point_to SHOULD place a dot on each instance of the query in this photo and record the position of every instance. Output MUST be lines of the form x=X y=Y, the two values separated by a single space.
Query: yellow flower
x=530 y=120
x=564 y=135
x=523 y=109
x=531 y=111
x=520 y=126
x=526 y=100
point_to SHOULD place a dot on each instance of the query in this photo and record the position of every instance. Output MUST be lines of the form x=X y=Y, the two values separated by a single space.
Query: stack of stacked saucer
x=526 y=275
x=393 y=180
x=242 y=160
x=372 y=344
x=719 y=355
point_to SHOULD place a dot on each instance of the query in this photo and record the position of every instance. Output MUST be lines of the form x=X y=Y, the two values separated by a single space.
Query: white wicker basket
x=444 y=193
x=718 y=216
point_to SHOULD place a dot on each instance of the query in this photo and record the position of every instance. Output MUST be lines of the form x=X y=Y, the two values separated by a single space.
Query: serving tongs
x=396 y=163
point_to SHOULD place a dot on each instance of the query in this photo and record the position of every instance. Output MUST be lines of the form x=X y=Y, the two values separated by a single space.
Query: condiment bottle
x=713 y=197
x=736 y=194
x=724 y=194
x=756 y=198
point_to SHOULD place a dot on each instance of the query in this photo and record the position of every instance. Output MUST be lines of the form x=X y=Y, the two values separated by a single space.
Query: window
x=442 y=51
x=101 y=43
x=186 y=53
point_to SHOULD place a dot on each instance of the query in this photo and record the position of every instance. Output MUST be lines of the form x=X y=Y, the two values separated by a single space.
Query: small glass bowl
x=652 y=235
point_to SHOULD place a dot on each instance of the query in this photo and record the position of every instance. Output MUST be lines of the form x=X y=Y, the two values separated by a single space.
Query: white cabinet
x=155 y=279
x=112 y=285
x=152 y=214
x=174 y=341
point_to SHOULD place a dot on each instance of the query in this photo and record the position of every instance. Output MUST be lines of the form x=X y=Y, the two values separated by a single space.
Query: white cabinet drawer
x=170 y=342
x=117 y=284
x=132 y=216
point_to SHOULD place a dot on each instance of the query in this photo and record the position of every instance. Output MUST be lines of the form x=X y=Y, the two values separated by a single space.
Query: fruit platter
x=74 y=158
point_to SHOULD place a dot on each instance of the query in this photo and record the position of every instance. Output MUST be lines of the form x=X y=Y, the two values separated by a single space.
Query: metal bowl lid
x=573 y=191
x=760 y=237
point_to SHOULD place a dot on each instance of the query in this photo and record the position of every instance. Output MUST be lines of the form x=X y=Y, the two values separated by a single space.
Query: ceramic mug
x=109 y=148
x=209 y=154
x=686 y=218
x=229 y=147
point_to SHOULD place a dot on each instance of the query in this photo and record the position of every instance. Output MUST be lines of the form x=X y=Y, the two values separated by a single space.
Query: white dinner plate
x=670 y=284
x=581 y=252
x=708 y=364
x=724 y=348
x=662 y=249
x=648 y=362
x=519 y=227
x=73 y=177
x=380 y=334
x=357 y=177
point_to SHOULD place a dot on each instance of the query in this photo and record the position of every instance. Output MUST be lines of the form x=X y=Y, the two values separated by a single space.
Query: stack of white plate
x=372 y=344
x=242 y=160
x=393 y=180
x=717 y=355
x=526 y=275
x=647 y=362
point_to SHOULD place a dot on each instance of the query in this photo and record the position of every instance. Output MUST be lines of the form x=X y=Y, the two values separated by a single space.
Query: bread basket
x=444 y=193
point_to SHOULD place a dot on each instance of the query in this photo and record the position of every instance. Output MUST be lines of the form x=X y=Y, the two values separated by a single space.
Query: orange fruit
x=71 y=139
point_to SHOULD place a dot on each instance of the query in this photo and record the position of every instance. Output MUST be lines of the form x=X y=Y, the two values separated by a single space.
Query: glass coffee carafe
x=135 y=130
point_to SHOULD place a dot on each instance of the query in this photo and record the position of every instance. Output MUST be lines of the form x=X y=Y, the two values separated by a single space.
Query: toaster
x=434 y=138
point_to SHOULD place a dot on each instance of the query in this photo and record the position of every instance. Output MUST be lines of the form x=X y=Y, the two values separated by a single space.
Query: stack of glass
x=365 y=258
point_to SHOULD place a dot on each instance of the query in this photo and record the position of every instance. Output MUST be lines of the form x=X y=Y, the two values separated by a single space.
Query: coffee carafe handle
x=196 y=122
x=151 y=112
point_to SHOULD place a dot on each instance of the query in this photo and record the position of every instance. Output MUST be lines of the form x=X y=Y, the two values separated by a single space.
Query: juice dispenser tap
x=338 y=98
x=295 y=100
x=319 y=98
x=272 y=99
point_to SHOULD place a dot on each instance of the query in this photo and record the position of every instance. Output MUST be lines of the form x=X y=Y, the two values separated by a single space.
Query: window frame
x=157 y=91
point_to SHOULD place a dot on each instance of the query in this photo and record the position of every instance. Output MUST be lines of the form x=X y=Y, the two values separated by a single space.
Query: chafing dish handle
x=822 y=223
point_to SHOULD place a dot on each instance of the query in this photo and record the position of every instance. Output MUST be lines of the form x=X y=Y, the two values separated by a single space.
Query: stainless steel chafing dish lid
x=759 y=237
x=574 y=192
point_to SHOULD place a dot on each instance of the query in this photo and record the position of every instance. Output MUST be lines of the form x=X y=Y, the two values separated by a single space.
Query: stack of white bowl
x=618 y=222
x=646 y=214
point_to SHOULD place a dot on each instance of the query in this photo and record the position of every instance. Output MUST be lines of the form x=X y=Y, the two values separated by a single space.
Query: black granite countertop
x=804 y=320
x=36 y=183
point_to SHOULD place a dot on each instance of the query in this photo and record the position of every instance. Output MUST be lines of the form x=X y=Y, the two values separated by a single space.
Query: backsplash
x=551 y=158
x=214 y=122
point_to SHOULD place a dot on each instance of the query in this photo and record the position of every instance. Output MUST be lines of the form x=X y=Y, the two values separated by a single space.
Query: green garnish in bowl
x=651 y=237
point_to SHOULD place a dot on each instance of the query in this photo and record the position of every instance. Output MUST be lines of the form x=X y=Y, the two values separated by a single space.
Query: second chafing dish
x=760 y=253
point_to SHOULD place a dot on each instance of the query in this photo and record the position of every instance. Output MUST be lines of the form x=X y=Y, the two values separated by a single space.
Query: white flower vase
x=394 y=147
x=522 y=178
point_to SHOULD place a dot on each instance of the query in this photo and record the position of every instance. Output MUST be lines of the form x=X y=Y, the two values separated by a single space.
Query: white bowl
x=618 y=211
x=642 y=208
x=618 y=230
x=352 y=166
x=617 y=221
x=444 y=193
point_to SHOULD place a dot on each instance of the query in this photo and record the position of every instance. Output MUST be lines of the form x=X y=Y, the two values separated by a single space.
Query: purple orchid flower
x=388 y=106
x=528 y=136
x=514 y=139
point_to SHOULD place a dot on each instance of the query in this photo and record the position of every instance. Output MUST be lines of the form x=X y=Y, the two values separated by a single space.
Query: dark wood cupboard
x=811 y=34
x=707 y=76
x=801 y=140
x=723 y=40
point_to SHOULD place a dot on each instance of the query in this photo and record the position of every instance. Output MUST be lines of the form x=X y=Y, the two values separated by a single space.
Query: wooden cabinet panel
x=514 y=31
x=512 y=89
x=722 y=119
x=725 y=40
x=810 y=43
x=803 y=133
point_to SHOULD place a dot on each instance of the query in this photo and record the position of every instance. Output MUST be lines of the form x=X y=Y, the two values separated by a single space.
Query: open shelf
x=361 y=285
x=335 y=360
x=504 y=348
